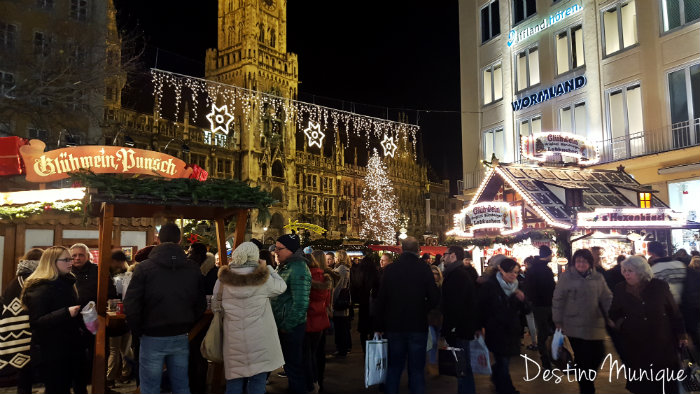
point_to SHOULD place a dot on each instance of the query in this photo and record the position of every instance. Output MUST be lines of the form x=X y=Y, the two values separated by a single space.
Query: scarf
x=508 y=288
x=585 y=274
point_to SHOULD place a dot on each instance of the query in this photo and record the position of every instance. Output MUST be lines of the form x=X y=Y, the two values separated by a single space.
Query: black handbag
x=452 y=361
x=343 y=301
x=691 y=383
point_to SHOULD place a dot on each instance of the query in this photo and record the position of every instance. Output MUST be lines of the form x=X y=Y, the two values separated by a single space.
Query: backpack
x=343 y=301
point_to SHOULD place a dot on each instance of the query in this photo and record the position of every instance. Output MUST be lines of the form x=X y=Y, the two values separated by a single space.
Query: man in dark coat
x=164 y=301
x=407 y=292
x=539 y=289
x=458 y=310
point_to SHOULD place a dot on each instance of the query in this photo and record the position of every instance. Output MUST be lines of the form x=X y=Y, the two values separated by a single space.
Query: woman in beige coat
x=580 y=309
x=251 y=345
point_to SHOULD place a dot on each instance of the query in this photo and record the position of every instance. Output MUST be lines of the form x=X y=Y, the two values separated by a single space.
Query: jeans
x=465 y=384
x=292 y=342
x=543 y=323
x=174 y=352
x=587 y=355
x=500 y=374
x=342 y=334
x=403 y=346
x=256 y=384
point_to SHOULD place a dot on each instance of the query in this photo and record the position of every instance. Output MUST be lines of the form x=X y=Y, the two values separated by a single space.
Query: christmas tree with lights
x=378 y=208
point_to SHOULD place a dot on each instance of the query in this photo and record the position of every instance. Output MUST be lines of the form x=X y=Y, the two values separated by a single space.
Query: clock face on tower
x=269 y=4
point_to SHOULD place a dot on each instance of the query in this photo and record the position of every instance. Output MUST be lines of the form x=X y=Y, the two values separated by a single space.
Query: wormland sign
x=516 y=36
x=549 y=93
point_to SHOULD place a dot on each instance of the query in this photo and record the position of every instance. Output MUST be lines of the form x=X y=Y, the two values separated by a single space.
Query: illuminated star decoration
x=389 y=146
x=220 y=119
x=314 y=134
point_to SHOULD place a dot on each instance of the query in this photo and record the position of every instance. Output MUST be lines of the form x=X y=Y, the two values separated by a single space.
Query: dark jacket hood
x=169 y=255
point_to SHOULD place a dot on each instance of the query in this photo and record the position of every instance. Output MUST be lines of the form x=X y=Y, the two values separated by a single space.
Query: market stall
x=573 y=204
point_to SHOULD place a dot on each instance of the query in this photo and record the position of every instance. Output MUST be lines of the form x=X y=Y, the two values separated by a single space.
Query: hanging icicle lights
x=250 y=102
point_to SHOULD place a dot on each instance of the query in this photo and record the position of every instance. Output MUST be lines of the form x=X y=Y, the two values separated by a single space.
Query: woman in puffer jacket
x=316 y=317
x=251 y=344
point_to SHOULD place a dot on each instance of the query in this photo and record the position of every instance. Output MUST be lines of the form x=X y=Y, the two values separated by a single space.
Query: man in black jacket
x=458 y=311
x=165 y=299
x=407 y=292
x=539 y=290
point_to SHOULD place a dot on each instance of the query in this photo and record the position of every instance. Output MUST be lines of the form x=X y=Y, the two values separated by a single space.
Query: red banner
x=56 y=164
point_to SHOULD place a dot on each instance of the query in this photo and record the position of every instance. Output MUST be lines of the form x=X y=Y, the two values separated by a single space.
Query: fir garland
x=15 y=212
x=225 y=191
x=505 y=240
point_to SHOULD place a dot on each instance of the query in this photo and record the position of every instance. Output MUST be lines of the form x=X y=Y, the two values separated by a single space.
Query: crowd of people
x=279 y=306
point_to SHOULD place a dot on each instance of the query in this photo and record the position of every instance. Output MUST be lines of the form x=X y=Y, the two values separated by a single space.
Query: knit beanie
x=290 y=241
x=246 y=254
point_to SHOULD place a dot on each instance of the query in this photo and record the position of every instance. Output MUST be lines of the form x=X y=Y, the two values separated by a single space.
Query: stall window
x=645 y=200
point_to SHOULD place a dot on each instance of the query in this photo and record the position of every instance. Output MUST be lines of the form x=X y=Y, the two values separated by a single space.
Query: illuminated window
x=490 y=21
x=569 y=44
x=675 y=13
x=645 y=200
x=572 y=119
x=492 y=83
x=493 y=142
x=619 y=27
x=527 y=66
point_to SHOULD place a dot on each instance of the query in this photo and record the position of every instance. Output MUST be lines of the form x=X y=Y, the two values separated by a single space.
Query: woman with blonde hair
x=51 y=298
x=341 y=312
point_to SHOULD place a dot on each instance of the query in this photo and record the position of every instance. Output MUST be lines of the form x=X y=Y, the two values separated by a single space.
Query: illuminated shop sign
x=515 y=36
x=498 y=216
x=631 y=217
x=549 y=93
x=56 y=164
x=541 y=145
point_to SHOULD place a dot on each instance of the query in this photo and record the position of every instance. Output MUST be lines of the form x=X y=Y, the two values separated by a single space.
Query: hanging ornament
x=314 y=134
x=389 y=146
x=220 y=119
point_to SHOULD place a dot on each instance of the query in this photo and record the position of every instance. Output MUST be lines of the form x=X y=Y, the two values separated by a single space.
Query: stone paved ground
x=347 y=376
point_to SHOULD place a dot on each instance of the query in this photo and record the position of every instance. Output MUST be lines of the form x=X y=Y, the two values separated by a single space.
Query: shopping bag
x=212 y=347
x=479 y=356
x=89 y=314
x=557 y=342
x=376 y=361
x=452 y=361
x=562 y=352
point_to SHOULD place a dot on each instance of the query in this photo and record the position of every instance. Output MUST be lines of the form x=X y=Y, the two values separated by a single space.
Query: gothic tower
x=252 y=53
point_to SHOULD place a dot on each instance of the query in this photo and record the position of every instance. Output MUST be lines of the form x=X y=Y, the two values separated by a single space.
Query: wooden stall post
x=221 y=240
x=241 y=223
x=99 y=363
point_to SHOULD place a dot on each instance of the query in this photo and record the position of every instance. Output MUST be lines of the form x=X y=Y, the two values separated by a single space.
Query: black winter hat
x=545 y=251
x=290 y=241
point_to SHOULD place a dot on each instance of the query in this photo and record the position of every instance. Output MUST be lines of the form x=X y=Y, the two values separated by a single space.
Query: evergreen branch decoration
x=15 y=212
x=505 y=240
x=225 y=191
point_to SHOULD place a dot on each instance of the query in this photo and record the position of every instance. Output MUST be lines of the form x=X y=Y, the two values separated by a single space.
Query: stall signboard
x=56 y=164
x=541 y=146
x=497 y=216
x=631 y=217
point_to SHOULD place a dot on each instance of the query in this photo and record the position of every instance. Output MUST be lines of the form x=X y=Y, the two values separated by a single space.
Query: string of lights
x=378 y=206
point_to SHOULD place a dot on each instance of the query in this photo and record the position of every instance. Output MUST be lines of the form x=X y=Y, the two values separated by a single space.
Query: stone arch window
x=277 y=194
x=277 y=169
x=240 y=32
x=277 y=221
x=273 y=38
x=263 y=170
x=261 y=34
x=231 y=35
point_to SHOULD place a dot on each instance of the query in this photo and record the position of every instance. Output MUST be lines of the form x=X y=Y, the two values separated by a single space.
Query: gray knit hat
x=246 y=254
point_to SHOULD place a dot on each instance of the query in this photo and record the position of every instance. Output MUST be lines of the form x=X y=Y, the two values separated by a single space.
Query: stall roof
x=545 y=189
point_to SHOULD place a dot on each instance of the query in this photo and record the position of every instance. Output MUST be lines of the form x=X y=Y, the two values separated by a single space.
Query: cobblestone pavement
x=347 y=376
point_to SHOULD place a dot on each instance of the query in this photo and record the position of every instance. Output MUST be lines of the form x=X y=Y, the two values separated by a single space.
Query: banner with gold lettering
x=56 y=164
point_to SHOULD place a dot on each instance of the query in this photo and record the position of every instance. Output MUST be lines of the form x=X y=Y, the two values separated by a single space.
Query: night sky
x=400 y=55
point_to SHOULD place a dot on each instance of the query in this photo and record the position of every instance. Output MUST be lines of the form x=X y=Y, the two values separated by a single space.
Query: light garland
x=314 y=134
x=378 y=206
x=27 y=210
x=219 y=119
x=251 y=104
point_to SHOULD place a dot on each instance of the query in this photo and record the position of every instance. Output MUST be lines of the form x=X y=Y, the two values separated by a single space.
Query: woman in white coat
x=251 y=345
